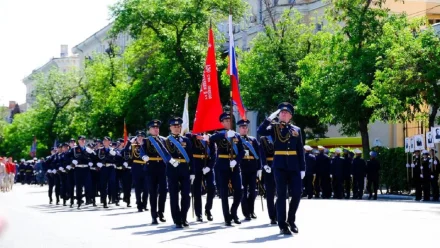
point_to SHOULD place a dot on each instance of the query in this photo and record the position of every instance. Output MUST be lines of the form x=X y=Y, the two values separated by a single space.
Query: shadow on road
x=255 y=227
x=273 y=237
x=128 y=227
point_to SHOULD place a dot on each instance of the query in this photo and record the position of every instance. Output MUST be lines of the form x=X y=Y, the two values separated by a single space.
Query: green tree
x=166 y=57
x=336 y=76
x=268 y=71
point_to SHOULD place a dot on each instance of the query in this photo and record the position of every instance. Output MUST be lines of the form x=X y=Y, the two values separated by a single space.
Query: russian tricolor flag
x=233 y=72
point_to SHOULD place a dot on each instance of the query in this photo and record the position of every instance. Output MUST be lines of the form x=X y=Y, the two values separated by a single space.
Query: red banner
x=209 y=107
x=125 y=134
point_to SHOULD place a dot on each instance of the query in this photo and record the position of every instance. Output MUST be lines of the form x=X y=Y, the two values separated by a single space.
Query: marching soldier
x=153 y=152
x=63 y=168
x=417 y=182
x=107 y=159
x=29 y=173
x=336 y=170
x=204 y=175
x=22 y=171
x=138 y=170
x=229 y=154
x=434 y=176
x=425 y=175
x=288 y=164
x=181 y=174
x=119 y=168
x=358 y=170
x=95 y=186
x=347 y=176
x=310 y=171
x=52 y=176
x=126 y=177
x=373 y=167
x=266 y=157
x=249 y=166
x=82 y=156
x=322 y=180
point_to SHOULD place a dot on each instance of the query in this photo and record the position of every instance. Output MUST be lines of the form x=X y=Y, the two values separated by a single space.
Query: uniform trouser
x=157 y=184
x=358 y=186
x=326 y=186
x=139 y=177
x=223 y=181
x=249 y=181
x=118 y=183
x=337 y=187
x=292 y=180
x=11 y=179
x=22 y=177
x=417 y=182
x=208 y=182
x=373 y=182
x=426 y=184
x=435 y=189
x=57 y=181
x=51 y=183
x=94 y=184
x=269 y=184
x=126 y=184
x=347 y=186
x=178 y=181
x=64 y=186
x=82 y=179
x=317 y=185
x=308 y=185
x=28 y=177
x=107 y=181
x=71 y=185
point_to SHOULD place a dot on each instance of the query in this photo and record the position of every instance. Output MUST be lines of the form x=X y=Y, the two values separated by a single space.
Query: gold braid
x=281 y=138
x=170 y=148
x=269 y=148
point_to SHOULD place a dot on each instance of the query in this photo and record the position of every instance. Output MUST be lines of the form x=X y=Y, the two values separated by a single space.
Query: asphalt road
x=33 y=223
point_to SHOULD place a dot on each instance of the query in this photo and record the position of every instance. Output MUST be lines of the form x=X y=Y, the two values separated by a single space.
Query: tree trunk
x=432 y=116
x=363 y=129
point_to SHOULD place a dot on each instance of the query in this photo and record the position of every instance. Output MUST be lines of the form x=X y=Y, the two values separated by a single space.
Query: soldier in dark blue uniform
x=138 y=170
x=126 y=172
x=70 y=173
x=347 y=176
x=180 y=174
x=51 y=174
x=154 y=153
x=119 y=169
x=64 y=167
x=204 y=174
x=310 y=171
x=266 y=157
x=107 y=159
x=337 y=174
x=288 y=165
x=425 y=175
x=29 y=173
x=229 y=154
x=435 y=175
x=417 y=182
x=373 y=167
x=82 y=158
x=249 y=166
x=359 y=171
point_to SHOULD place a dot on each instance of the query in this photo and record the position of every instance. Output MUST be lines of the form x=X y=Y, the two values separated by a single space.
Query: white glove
x=351 y=175
x=145 y=158
x=259 y=173
x=407 y=165
x=206 y=137
x=133 y=140
x=230 y=134
x=246 y=153
x=192 y=177
x=90 y=164
x=206 y=170
x=413 y=165
x=75 y=162
x=267 y=169
x=435 y=162
x=421 y=175
x=303 y=174
x=421 y=167
x=125 y=164
x=432 y=176
x=112 y=152
x=69 y=167
x=61 y=168
x=89 y=150
x=99 y=165
x=273 y=115
x=233 y=163
x=40 y=171
x=315 y=175
x=331 y=176
x=430 y=160
x=174 y=162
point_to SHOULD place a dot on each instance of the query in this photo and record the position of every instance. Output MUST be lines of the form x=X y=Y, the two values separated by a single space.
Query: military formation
x=225 y=163
x=425 y=171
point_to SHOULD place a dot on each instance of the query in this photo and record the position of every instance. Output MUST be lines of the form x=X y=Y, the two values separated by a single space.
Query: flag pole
x=231 y=57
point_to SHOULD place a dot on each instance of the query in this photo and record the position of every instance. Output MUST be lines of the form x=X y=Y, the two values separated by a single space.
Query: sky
x=31 y=33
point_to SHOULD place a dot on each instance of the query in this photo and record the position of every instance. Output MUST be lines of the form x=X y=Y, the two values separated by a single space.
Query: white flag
x=185 y=117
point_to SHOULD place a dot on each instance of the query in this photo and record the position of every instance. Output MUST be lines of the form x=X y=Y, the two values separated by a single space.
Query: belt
x=129 y=168
x=225 y=156
x=28 y=170
x=248 y=157
x=269 y=159
x=93 y=168
x=119 y=168
x=285 y=153
x=180 y=160
x=138 y=161
x=156 y=159
x=81 y=166
x=109 y=165
x=199 y=156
